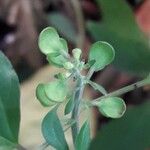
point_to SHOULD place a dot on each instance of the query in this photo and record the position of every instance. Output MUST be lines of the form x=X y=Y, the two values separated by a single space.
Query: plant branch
x=75 y=113
x=124 y=90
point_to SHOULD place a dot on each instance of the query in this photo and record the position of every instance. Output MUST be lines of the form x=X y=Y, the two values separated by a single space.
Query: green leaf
x=103 y=53
x=53 y=131
x=56 y=59
x=113 y=107
x=6 y=145
x=56 y=90
x=120 y=29
x=131 y=132
x=41 y=96
x=64 y=25
x=69 y=106
x=9 y=101
x=49 y=41
x=83 y=138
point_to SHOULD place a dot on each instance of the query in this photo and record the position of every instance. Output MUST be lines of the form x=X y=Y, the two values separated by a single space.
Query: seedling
x=68 y=87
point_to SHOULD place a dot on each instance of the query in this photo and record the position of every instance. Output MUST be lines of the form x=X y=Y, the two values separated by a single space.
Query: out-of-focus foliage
x=63 y=25
x=9 y=102
x=131 y=132
x=119 y=28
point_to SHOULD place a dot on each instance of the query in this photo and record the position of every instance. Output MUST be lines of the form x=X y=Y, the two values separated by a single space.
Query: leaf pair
x=53 y=46
x=52 y=93
x=103 y=54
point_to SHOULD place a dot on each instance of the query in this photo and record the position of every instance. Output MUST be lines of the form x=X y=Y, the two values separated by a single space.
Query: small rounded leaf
x=56 y=90
x=49 y=41
x=103 y=53
x=41 y=96
x=113 y=107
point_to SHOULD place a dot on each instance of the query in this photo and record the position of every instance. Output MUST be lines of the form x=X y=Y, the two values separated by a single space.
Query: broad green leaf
x=83 y=138
x=56 y=59
x=41 y=96
x=63 y=25
x=119 y=28
x=113 y=107
x=69 y=106
x=53 y=131
x=131 y=132
x=103 y=54
x=6 y=145
x=9 y=101
x=49 y=41
x=56 y=90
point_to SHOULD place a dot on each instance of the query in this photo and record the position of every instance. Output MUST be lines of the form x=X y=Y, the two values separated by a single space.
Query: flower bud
x=68 y=65
x=67 y=74
x=76 y=53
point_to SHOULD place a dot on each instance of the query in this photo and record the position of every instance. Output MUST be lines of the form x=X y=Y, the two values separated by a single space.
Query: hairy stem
x=124 y=90
x=76 y=110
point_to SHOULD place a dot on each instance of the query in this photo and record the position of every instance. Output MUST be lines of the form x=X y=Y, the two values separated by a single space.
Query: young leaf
x=103 y=53
x=9 y=101
x=49 y=41
x=56 y=90
x=113 y=107
x=53 y=131
x=83 y=138
x=69 y=106
x=56 y=59
x=41 y=96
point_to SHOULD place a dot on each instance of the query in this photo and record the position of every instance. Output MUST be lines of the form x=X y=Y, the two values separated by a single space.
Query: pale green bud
x=76 y=53
x=67 y=74
x=68 y=65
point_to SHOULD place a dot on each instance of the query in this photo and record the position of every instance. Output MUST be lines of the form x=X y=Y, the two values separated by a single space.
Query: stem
x=90 y=73
x=124 y=90
x=75 y=113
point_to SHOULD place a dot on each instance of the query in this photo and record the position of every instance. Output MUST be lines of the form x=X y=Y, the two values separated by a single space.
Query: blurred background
x=123 y=23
